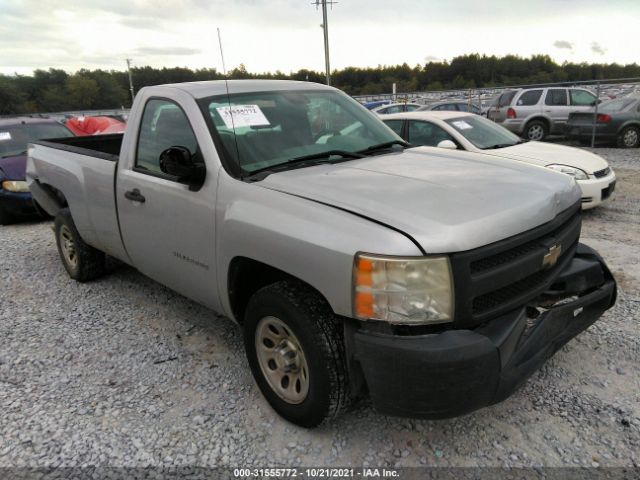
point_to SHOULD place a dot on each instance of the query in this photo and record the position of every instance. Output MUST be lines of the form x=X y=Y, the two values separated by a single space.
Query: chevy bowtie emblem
x=551 y=258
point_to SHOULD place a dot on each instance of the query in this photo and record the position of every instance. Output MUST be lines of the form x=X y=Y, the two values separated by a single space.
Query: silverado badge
x=551 y=257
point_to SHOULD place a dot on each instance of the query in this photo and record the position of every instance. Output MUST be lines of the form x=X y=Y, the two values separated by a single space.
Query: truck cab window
x=164 y=125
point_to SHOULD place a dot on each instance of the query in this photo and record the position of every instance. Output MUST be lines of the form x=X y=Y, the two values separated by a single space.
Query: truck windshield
x=262 y=130
x=483 y=133
x=14 y=138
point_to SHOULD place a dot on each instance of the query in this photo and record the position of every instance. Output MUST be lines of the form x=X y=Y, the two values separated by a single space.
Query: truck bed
x=106 y=147
x=84 y=168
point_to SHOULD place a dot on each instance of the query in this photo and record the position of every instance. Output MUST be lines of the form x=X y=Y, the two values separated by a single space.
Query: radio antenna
x=224 y=69
x=226 y=84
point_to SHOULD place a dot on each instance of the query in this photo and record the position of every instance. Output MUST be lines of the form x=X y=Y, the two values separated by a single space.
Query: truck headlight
x=573 y=171
x=15 y=186
x=402 y=290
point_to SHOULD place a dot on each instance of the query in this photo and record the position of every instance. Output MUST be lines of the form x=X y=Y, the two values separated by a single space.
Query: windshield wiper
x=500 y=145
x=505 y=145
x=305 y=161
x=385 y=145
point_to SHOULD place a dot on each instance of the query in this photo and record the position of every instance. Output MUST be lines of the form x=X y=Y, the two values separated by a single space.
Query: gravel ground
x=123 y=372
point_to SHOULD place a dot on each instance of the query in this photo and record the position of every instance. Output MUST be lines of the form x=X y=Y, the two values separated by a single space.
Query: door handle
x=135 y=196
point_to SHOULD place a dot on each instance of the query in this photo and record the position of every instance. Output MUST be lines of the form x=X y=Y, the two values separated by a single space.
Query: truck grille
x=505 y=275
x=602 y=173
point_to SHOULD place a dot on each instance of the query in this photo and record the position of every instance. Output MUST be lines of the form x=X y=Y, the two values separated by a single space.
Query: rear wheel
x=82 y=261
x=295 y=348
x=536 y=130
x=629 y=137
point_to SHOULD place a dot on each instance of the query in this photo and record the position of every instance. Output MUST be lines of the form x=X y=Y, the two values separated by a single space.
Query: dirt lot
x=123 y=372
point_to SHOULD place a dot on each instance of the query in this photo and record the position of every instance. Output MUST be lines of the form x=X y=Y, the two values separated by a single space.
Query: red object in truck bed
x=83 y=126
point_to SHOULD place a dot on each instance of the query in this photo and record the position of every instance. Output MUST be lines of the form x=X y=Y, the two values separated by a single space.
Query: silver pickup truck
x=436 y=281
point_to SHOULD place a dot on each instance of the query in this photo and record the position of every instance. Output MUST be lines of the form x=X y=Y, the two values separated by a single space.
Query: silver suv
x=534 y=113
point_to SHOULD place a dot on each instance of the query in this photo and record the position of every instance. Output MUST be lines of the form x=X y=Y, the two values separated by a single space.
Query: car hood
x=14 y=168
x=543 y=154
x=447 y=201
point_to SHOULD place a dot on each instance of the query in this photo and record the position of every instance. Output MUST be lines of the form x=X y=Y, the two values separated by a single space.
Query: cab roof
x=219 y=87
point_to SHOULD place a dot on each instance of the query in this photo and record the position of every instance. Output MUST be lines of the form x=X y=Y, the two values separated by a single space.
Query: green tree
x=12 y=100
x=82 y=91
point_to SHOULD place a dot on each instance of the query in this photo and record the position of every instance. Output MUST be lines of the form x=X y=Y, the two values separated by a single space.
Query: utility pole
x=325 y=28
x=130 y=80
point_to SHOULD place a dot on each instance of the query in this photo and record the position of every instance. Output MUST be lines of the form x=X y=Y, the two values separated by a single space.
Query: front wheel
x=629 y=137
x=536 y=130
x=294 y=344
x=82 y=261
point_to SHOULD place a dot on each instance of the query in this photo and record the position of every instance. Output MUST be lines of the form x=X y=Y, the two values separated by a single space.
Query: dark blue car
x=15 y=134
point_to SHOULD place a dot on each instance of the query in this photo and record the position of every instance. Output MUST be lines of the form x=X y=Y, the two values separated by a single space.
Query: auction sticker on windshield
x=5 y=136
x=461 y=125
x=243 y=116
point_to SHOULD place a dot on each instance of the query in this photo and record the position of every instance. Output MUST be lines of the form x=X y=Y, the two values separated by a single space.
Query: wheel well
x=630 y=124
x=539 y=119
x=246 y=276
x=56 y=194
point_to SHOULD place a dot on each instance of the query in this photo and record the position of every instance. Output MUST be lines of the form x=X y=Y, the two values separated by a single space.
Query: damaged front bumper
x=458 y=371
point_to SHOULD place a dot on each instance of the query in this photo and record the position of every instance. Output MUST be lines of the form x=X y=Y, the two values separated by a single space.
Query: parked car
x=451 y=106
x=377 y=103
x=535 y=113
x=15 y=134
x=396 y=108
x=490 y=104
x=499 y=105
x=352 y=265
x=465 y=131
x=617 y=121
x=84 y=125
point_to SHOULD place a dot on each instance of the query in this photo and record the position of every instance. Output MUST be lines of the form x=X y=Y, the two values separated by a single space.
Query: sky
x=286 y=35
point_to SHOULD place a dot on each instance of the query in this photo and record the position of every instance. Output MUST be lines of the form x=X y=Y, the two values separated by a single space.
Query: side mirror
x=447 y=144
x=177 y=161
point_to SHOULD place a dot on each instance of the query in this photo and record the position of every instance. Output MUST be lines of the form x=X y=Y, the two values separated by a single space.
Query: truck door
x=167 y=229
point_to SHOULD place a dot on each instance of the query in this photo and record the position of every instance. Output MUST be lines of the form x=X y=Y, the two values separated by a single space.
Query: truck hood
x=13 y=168
x=446 y=201
x=543 y=154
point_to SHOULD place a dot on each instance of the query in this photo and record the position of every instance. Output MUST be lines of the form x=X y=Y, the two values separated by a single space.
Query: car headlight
x=402 y=290
x=15 y=186
x=573 y=171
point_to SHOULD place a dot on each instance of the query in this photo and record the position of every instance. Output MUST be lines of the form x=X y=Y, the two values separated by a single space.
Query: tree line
x=56 y=90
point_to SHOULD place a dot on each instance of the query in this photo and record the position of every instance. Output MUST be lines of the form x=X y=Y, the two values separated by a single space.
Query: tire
x=82 y=261
x=629 y=137
x=536 y=130
x=309 y=335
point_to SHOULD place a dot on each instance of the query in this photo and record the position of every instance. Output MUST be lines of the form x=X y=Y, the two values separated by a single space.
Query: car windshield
x=14 y=138
x=483 y=133
x=262 y=130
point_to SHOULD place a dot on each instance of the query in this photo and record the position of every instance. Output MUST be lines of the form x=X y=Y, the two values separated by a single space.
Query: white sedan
x=466 y=131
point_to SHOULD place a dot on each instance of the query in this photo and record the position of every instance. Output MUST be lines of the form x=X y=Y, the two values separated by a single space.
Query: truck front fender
x=312 y=242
